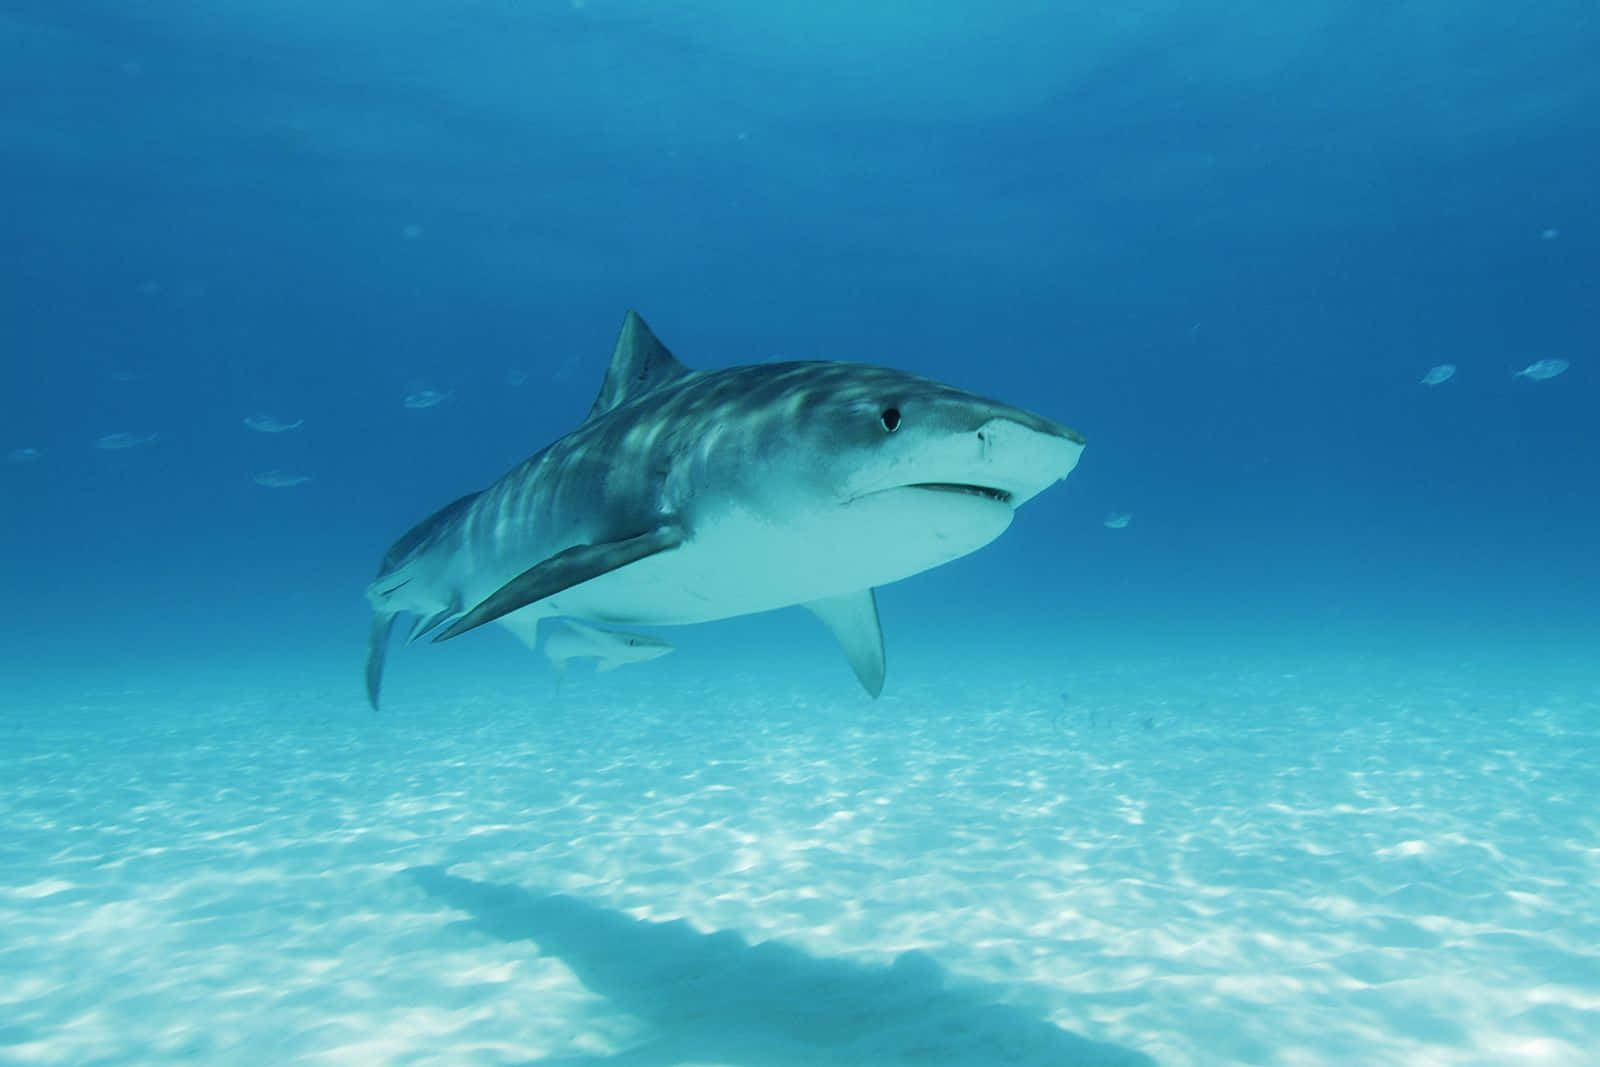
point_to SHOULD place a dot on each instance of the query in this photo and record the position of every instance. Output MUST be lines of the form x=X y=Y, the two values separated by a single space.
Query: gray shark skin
x=689 y=496
x=714 y=998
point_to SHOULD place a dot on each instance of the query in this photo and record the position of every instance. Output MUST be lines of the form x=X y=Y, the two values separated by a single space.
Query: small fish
x=1440 y=374
x=569 y=639
x=1543 y=370
x=516 y=376
x=427 y=398
x=269 y=424
x=276 y=479
x=116 y=442
x=1118 y=519
x=23 y=455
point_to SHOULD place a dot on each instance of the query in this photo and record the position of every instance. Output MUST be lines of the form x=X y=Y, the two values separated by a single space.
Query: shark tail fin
x=377 y=649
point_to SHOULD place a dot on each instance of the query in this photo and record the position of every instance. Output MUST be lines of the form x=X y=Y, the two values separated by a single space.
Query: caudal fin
x=377 y=648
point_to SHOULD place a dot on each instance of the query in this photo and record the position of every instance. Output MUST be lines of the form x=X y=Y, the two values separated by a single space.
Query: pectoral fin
x=377 y=647
x=853 y=621
x=564 y=570
x=425 y=623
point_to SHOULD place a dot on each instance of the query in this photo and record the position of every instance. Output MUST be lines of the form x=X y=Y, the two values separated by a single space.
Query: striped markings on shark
x=689 y=496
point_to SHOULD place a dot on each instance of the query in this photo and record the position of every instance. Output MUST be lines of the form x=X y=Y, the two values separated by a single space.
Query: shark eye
x=890 y=419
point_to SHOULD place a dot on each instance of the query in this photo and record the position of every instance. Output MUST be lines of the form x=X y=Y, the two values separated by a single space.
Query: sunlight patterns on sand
x=1252 y=875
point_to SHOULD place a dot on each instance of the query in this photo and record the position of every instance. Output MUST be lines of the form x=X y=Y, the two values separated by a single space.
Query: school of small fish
x=1539 y=371
x=422 y=398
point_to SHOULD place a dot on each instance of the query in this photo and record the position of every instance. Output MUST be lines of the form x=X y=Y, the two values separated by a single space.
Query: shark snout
x=1001 y=416
x=1025 y=458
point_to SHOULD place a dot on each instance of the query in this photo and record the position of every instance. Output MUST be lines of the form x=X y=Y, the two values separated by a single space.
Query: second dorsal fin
x=639 y=364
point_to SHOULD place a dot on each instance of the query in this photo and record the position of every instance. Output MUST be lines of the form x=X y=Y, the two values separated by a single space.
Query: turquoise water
x=1330 y=860
x=1296 y=765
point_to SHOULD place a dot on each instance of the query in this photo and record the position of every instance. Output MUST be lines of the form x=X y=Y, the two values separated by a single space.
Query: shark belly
x=739 y=562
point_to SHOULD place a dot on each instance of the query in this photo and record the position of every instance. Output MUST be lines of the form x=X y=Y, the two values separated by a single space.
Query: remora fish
x=688 y=496
x=569 y=639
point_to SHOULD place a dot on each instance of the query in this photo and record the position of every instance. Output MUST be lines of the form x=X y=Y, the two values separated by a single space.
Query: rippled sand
x=1249 y=867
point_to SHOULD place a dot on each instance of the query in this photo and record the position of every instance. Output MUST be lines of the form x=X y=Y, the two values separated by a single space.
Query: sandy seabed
x=1259 y=867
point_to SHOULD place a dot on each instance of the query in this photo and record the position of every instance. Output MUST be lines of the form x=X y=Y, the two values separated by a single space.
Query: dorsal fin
x=639 y=364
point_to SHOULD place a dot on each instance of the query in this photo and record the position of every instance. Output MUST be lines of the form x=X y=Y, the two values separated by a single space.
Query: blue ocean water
x=1297 y=766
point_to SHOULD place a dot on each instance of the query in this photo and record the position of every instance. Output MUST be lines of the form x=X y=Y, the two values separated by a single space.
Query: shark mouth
x=985 y=491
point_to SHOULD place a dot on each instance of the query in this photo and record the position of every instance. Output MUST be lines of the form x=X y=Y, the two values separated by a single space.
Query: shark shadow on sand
x=713 y=998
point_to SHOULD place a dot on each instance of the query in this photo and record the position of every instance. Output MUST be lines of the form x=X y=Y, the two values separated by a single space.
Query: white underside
x=746 y=556
x=738 y=563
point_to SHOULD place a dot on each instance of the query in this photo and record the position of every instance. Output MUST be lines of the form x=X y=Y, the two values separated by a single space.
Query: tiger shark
x=688 y=496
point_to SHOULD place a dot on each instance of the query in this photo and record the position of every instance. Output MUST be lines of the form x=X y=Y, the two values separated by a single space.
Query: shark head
x=888 y=432
x=878 y=473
